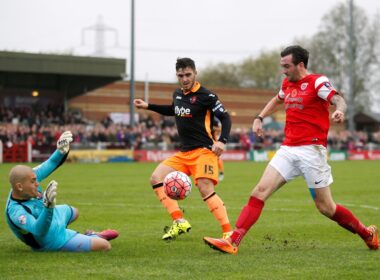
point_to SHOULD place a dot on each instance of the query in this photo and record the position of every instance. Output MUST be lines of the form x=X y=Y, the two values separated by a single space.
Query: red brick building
x=243 y=104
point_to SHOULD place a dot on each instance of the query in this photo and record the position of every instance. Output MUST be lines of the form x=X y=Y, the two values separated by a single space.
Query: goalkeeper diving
x=34 y=217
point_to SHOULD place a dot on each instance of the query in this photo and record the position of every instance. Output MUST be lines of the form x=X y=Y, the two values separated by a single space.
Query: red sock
x=247 y=218
x=346 y=219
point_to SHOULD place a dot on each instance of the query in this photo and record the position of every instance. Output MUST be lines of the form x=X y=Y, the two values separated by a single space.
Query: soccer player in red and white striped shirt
x=303 y=153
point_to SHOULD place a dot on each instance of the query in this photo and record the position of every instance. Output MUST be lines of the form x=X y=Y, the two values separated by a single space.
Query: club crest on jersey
x=193 y=99
x=304 y=86
x=22 y=220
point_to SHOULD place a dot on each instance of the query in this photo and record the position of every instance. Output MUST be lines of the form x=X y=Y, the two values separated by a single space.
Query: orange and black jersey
x=194 y=113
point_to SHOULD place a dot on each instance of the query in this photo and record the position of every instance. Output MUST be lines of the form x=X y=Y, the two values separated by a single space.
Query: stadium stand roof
x=68 y=75
x=367 y=121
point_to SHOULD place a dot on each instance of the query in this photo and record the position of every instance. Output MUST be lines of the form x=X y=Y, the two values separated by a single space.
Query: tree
x=374 y=84
x=221 y=74
x=330 y=55
x=330 y=51
x=261 y=72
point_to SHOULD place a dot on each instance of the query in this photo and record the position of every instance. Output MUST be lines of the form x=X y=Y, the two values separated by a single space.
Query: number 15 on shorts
x=209 y=169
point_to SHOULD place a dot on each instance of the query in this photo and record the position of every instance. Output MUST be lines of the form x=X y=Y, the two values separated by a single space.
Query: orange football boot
x=373 y=242
x=221 y=244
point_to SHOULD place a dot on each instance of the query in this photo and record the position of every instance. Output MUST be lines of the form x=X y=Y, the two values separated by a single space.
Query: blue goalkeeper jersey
x=37 y=226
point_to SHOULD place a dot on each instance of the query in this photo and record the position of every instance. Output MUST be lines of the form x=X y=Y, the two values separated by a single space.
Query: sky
x=209 y=31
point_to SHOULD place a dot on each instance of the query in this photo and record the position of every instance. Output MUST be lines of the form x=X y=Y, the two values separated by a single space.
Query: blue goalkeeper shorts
x=79 y=243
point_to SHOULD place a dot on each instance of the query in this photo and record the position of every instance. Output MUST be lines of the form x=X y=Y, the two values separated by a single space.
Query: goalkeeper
x=34 y=217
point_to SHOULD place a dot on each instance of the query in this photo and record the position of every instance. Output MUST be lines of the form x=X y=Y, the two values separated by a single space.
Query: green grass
x=290 y=241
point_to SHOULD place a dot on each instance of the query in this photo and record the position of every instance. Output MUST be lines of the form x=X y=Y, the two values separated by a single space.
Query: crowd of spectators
x=39 y=115
x=43 y=127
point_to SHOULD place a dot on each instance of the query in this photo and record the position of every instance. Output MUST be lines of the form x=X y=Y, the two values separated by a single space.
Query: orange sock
x=217 y=208
x=170 y=204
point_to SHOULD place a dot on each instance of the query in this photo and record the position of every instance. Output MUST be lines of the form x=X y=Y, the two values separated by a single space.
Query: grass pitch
x=290 y=241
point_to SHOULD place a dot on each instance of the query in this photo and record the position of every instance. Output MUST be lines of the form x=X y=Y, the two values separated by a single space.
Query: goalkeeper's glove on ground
x=63 y=143
x=49 y=194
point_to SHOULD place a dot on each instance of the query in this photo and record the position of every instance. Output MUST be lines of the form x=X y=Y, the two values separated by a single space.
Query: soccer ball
x=177 y=185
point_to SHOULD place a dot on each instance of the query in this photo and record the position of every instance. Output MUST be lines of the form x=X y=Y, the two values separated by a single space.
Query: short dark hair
x=299 y=54
x=185 y=62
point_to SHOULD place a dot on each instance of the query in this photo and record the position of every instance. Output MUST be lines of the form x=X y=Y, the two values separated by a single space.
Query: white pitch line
x=196 y=207
x=363 y=206
x=129 y=205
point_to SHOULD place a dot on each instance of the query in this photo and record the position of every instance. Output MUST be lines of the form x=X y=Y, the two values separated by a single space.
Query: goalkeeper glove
x=49 y=194
x=63 y=143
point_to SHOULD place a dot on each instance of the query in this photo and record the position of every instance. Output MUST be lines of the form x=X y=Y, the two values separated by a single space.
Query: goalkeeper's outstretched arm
x=56 y=159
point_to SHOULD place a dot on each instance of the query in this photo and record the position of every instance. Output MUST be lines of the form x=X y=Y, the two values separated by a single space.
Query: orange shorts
x=200 y=163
